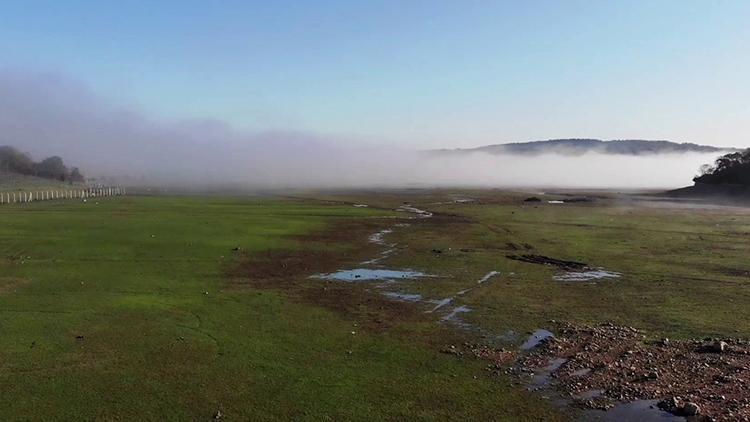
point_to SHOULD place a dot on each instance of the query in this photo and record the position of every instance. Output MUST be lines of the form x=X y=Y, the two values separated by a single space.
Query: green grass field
x=684 y=270
x=11 y=182
x=140 y=308
x=121 y=310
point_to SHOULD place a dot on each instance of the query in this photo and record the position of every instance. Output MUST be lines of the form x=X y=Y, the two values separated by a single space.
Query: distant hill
x=583 y=146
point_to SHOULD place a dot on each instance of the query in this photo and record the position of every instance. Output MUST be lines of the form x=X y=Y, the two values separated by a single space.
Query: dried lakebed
x=372 y=272
x=608 y=371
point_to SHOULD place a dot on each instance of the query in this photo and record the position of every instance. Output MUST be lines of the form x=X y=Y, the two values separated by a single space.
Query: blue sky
x=417 y=73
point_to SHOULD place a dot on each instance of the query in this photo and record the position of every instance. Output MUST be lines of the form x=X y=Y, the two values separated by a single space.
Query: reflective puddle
x=379 y=237
x=536 y=338
x=639 y=410
x=405 y=297
x=368 y=274
x=488 y=276
x=453 y=314
x=597 y=274
x=541 y=378
x=440 y=303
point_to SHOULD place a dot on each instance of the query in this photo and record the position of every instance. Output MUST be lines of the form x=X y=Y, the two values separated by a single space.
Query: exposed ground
x=179 y=308
x=673 y=270
x=607 y=364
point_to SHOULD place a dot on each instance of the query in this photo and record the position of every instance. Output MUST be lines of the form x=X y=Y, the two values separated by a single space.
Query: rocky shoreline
x=706 y=379
x=600 y=367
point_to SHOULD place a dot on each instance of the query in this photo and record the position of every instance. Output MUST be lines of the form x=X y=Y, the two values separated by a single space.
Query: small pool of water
x=369 y=274
x=488 y=276
x=589 y=394
x=379 y=237
x=440 y=303
x=586 y=275
x=453 y=314
x=639 y=410
x=536 y=338
x=541 y=378
x=405 y=297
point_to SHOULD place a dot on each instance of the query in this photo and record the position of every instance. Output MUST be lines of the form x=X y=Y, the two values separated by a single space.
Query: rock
x=670 y=405
x=651 y=376
x=218 y=415
x=715 y=346
x=691 y=409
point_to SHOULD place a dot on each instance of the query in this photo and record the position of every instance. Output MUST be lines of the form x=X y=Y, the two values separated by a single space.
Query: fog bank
x=47 y=114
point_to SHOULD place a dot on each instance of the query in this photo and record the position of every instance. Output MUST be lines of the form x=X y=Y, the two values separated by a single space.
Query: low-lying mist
x=48 y=115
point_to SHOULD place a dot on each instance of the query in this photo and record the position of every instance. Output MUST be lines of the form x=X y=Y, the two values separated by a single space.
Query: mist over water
x=48 y=114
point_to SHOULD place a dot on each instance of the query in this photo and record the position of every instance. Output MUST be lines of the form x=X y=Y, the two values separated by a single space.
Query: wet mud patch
x=376 y=306
x=545 y=260
x=573 y=270
x=318 y=252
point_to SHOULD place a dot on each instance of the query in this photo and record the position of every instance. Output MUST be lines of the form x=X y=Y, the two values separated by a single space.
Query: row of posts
x=48 y=195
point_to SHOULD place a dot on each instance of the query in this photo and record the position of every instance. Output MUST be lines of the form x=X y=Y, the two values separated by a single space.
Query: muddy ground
x=591 y=367
x=601 y=366
x=290 y=271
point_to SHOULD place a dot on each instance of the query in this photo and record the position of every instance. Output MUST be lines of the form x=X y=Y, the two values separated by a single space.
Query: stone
x=691 y=409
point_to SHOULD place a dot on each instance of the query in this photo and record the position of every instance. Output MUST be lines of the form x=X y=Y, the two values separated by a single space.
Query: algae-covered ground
x=187 y=308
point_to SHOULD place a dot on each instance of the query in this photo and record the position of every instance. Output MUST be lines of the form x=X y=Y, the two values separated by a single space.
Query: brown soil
x=342 y=245
x=9 y=284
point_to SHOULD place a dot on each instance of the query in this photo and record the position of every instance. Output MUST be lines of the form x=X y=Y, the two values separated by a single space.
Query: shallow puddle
x=536 y=338
x=419 y=213
x=404 y=297
x=541 y=377
x=639 y=410
x=589 y=394
x=488 y=276
x=452 y=316
x=368 y=274
x=586 y=275
x=440 y=303
x=379 y=237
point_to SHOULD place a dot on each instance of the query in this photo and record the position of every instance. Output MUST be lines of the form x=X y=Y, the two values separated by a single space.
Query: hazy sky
x=414 y=73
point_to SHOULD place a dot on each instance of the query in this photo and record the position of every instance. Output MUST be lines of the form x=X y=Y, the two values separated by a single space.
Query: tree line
x=14 y=161
x=733 y=169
